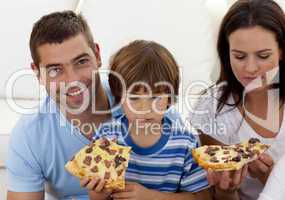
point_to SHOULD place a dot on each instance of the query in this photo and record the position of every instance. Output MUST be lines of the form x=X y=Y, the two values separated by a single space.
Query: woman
x=248 y=100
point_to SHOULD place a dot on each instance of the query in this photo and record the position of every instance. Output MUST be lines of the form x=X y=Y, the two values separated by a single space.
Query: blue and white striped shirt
x=167 y=165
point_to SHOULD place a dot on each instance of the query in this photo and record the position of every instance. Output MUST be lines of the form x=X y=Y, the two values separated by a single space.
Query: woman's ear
x=280 y=54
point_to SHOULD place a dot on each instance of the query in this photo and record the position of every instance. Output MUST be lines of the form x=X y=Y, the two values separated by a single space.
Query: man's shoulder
x=30 y=123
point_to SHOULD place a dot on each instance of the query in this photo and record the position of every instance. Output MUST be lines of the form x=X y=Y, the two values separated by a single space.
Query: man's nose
x=71 y=75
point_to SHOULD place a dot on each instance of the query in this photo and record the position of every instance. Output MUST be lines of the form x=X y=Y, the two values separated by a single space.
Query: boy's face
x=66 y=70
x=145 y=108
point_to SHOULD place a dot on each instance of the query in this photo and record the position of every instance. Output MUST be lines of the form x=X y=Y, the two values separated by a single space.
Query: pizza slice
x=102 y=158
x=233 y=157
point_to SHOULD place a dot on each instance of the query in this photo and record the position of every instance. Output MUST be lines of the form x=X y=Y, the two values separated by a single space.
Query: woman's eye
x=239 y=57
x=264 y=56
x=53 y=72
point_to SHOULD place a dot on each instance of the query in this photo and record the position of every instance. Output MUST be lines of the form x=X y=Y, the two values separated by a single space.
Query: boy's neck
x=145 y=137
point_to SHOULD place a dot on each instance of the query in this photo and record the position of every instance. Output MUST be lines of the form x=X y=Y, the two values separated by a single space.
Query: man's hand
x=132 y=191
x=261 y=168
x=227 y=180
x=96 y=188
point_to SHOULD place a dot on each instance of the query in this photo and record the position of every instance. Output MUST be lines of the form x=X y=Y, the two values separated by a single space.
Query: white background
x=187 y=28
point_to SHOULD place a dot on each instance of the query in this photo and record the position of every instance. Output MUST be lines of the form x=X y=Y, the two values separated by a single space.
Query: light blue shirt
x=39 y=148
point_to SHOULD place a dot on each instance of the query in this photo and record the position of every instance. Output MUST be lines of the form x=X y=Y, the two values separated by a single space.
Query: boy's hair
x=147 y=62
x=57 y=27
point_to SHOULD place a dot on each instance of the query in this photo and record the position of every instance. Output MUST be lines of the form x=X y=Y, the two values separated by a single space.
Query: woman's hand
x=261 y=168
x=227 y=180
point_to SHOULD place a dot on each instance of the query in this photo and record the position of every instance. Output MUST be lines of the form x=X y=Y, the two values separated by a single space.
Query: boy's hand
x=261 y=168
x=227 y=180
x=133 y=191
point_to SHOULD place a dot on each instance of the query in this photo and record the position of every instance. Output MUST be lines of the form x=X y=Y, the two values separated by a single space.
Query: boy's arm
x=202 y=195
x=136 y=191
x=99 y=196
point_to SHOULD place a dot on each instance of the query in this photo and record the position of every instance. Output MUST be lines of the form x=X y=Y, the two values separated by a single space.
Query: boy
x=144 y=78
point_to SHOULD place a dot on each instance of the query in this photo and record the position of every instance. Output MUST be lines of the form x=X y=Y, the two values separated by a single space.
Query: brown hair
x=57 y=27
x=244 y=14
x=145 y=61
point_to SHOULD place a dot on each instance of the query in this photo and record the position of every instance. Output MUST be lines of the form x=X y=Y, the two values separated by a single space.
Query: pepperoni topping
x=226 y=152
x=214 y=159
x=107 y=175
x=107 y=163
x=89 y=150
x=112 y=152
x=119 y=172
x=119 y=160
x=87 y=160
x=237 y=159
x=94 y=169
x=98 y=159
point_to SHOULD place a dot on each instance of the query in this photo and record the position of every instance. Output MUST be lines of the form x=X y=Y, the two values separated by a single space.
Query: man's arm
x=25 y=195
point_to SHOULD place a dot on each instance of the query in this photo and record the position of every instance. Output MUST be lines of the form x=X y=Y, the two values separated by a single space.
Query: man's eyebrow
x=79 y=56
x=52 y=65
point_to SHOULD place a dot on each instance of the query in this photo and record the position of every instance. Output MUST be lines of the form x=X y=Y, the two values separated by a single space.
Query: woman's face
x=253 y=51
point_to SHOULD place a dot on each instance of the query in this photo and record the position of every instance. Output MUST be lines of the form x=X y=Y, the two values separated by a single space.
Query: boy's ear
x=96 y=50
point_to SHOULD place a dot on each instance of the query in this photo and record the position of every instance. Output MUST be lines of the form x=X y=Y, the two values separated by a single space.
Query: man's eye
x=53 y=72
x=83 y=61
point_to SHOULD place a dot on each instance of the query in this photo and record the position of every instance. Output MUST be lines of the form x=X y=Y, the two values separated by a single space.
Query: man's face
x=66 y=70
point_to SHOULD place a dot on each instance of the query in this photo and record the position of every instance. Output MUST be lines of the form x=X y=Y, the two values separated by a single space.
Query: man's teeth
x=75 y=93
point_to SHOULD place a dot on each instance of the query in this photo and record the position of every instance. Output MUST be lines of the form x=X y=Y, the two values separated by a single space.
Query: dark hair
x=244 y=14
x=145 y=61
x=57 y=27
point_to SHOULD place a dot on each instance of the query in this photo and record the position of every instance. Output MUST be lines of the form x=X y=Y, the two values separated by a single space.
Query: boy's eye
x=53 y=71
x=133 y=98
x=156 y=98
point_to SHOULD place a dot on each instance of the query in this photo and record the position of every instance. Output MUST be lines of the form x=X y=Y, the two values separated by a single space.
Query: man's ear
x=36 y=70
x=96 y=50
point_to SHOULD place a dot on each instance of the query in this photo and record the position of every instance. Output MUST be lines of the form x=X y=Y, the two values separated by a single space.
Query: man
x=65 y=59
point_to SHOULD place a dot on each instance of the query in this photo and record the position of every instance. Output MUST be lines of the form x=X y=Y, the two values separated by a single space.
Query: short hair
x=147 y=62
x=57 y=27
